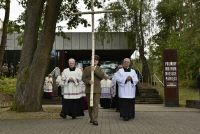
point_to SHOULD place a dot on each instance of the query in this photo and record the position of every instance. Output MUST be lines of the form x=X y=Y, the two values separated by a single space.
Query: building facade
x=109 y=46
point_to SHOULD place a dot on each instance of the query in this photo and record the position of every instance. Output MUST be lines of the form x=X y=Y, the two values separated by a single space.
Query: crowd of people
x=8 y=70
x=74 y=85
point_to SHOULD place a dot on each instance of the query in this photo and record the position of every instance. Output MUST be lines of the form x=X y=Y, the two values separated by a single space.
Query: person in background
x=82 y=86
x=4 y=70
x=56 y=72
x=115 y=99
x=126 y=79
x=106 y=93
x=60 y=85
x=48 y=88
x=84 y=98
x=12 y=70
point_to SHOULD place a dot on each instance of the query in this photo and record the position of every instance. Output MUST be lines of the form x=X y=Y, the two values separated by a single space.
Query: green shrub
x=189 y=83
x=7 y=85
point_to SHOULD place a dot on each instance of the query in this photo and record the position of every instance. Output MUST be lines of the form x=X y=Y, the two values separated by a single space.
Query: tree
x=6 y=6
x=179 y=29
x=145 y=67
x=134 y=23
x=35 y=56
x=38 y=41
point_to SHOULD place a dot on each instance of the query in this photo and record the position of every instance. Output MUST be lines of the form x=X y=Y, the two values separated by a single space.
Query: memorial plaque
x=171 y=78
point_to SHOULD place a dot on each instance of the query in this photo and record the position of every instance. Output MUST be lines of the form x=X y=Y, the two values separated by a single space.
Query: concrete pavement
x=150 y=119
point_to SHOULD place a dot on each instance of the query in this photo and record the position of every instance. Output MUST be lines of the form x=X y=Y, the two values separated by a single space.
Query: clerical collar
x=127 y=69
x=72 y=69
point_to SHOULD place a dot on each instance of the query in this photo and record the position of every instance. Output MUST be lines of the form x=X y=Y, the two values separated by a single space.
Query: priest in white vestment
x=106 y=93
x=126 y=79
x=48 y=88
x=72 y=93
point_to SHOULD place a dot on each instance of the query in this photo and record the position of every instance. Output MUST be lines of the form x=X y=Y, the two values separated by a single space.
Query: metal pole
x=93 y=53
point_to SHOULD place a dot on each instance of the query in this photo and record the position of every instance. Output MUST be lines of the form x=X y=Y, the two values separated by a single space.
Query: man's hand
x=93 y=68
x=91 y=82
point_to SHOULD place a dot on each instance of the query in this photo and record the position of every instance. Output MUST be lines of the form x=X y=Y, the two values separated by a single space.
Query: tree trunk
x=4 y=32
x=33 y=18
x=32 y=90
x=145 y=66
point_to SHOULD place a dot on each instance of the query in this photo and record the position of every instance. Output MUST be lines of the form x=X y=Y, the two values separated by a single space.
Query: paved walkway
x=150 y=119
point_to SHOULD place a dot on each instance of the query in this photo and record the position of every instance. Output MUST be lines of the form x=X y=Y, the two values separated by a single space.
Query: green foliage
x=179 y=29
x=116 y=21
x=167 y=11
x=2 y=4
x=189 y=84
x=7 y=85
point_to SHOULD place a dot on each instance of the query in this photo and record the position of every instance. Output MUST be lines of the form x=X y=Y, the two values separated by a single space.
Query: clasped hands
x=71 y=79
x=129 y=78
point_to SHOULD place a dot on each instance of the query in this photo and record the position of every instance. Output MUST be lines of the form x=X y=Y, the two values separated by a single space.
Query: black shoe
x=91 y=121
x=73 y=117
x=63 y=115
x=125 y=118
x=95 y=123
x=133 y=117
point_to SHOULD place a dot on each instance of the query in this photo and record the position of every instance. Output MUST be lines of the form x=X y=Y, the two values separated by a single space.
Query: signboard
x=171 y=74
x=171 y=77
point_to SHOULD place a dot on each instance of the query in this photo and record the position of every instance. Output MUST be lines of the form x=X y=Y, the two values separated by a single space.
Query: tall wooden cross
x=92 y=12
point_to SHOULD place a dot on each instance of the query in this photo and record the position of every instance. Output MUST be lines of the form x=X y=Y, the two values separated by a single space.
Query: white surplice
x=126 y=89
x=48 y=84
x=72 y=90
x=106 y=88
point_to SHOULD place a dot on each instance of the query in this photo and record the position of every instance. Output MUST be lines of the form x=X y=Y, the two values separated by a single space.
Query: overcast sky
x=16 y=9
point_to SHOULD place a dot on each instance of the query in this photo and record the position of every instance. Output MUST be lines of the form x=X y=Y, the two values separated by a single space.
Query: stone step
x=148 y=96
x=149 y=101
x=150 y=90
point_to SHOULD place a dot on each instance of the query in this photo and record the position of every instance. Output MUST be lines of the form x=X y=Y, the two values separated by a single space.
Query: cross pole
x=92 y=12
x=93 y=53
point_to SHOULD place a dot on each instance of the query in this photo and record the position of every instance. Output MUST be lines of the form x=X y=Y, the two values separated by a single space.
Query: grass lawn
x=185 y=93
